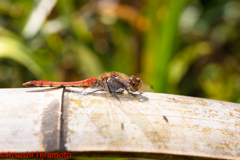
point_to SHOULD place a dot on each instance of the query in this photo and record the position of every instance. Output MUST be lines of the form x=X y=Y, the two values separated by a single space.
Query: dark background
x=179 y=46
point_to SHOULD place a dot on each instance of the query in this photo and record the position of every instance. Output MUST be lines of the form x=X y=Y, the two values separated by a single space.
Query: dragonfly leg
x=135 y=95
x=130 y=92
x=120 y=90
x=113 y=88
x=126 y=86
x=95 y=91
x=115 y=95
x=124 y=83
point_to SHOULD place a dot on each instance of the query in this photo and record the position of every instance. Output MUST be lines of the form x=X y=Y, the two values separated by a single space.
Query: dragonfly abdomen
x=85 y=83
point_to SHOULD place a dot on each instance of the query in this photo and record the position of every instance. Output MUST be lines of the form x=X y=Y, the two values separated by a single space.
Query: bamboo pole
x=150 y=125
x=30 y=119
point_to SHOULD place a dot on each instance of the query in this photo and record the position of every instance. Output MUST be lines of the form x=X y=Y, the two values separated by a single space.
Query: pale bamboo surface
x=30 y=119
x=35 y=119
x=195 y=127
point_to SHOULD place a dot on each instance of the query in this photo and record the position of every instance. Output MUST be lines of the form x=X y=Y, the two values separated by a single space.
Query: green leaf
x=16 y=51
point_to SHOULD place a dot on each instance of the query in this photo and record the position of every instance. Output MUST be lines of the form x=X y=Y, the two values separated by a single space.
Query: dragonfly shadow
x=121 y=96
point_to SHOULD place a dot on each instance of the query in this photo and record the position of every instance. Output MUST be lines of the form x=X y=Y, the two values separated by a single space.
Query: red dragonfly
x=113 y=82
x=106 y=111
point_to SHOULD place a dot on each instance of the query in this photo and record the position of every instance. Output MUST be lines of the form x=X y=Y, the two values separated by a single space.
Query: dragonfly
x=113 y=82
x=105 y=114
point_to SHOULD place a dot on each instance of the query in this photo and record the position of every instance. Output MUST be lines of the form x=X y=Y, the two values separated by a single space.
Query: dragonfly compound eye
x=136 y=83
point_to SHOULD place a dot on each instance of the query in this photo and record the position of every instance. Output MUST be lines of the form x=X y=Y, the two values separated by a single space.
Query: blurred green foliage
x=180 y=47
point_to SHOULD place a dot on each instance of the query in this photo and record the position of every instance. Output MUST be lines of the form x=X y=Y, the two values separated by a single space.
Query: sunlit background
x=179 y=46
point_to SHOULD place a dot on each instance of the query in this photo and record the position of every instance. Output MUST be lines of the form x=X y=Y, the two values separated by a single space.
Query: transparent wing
x=101 y=110
x=112 y=117
x=135 y=112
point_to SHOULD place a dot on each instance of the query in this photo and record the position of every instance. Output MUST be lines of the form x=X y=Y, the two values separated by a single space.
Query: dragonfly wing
x=113 y=119
x=112 y=89
x=135 y=114
x=128 y=111
x=102 y=113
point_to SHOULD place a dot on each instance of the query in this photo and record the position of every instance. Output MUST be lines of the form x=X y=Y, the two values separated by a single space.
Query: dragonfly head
x=135 y=82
